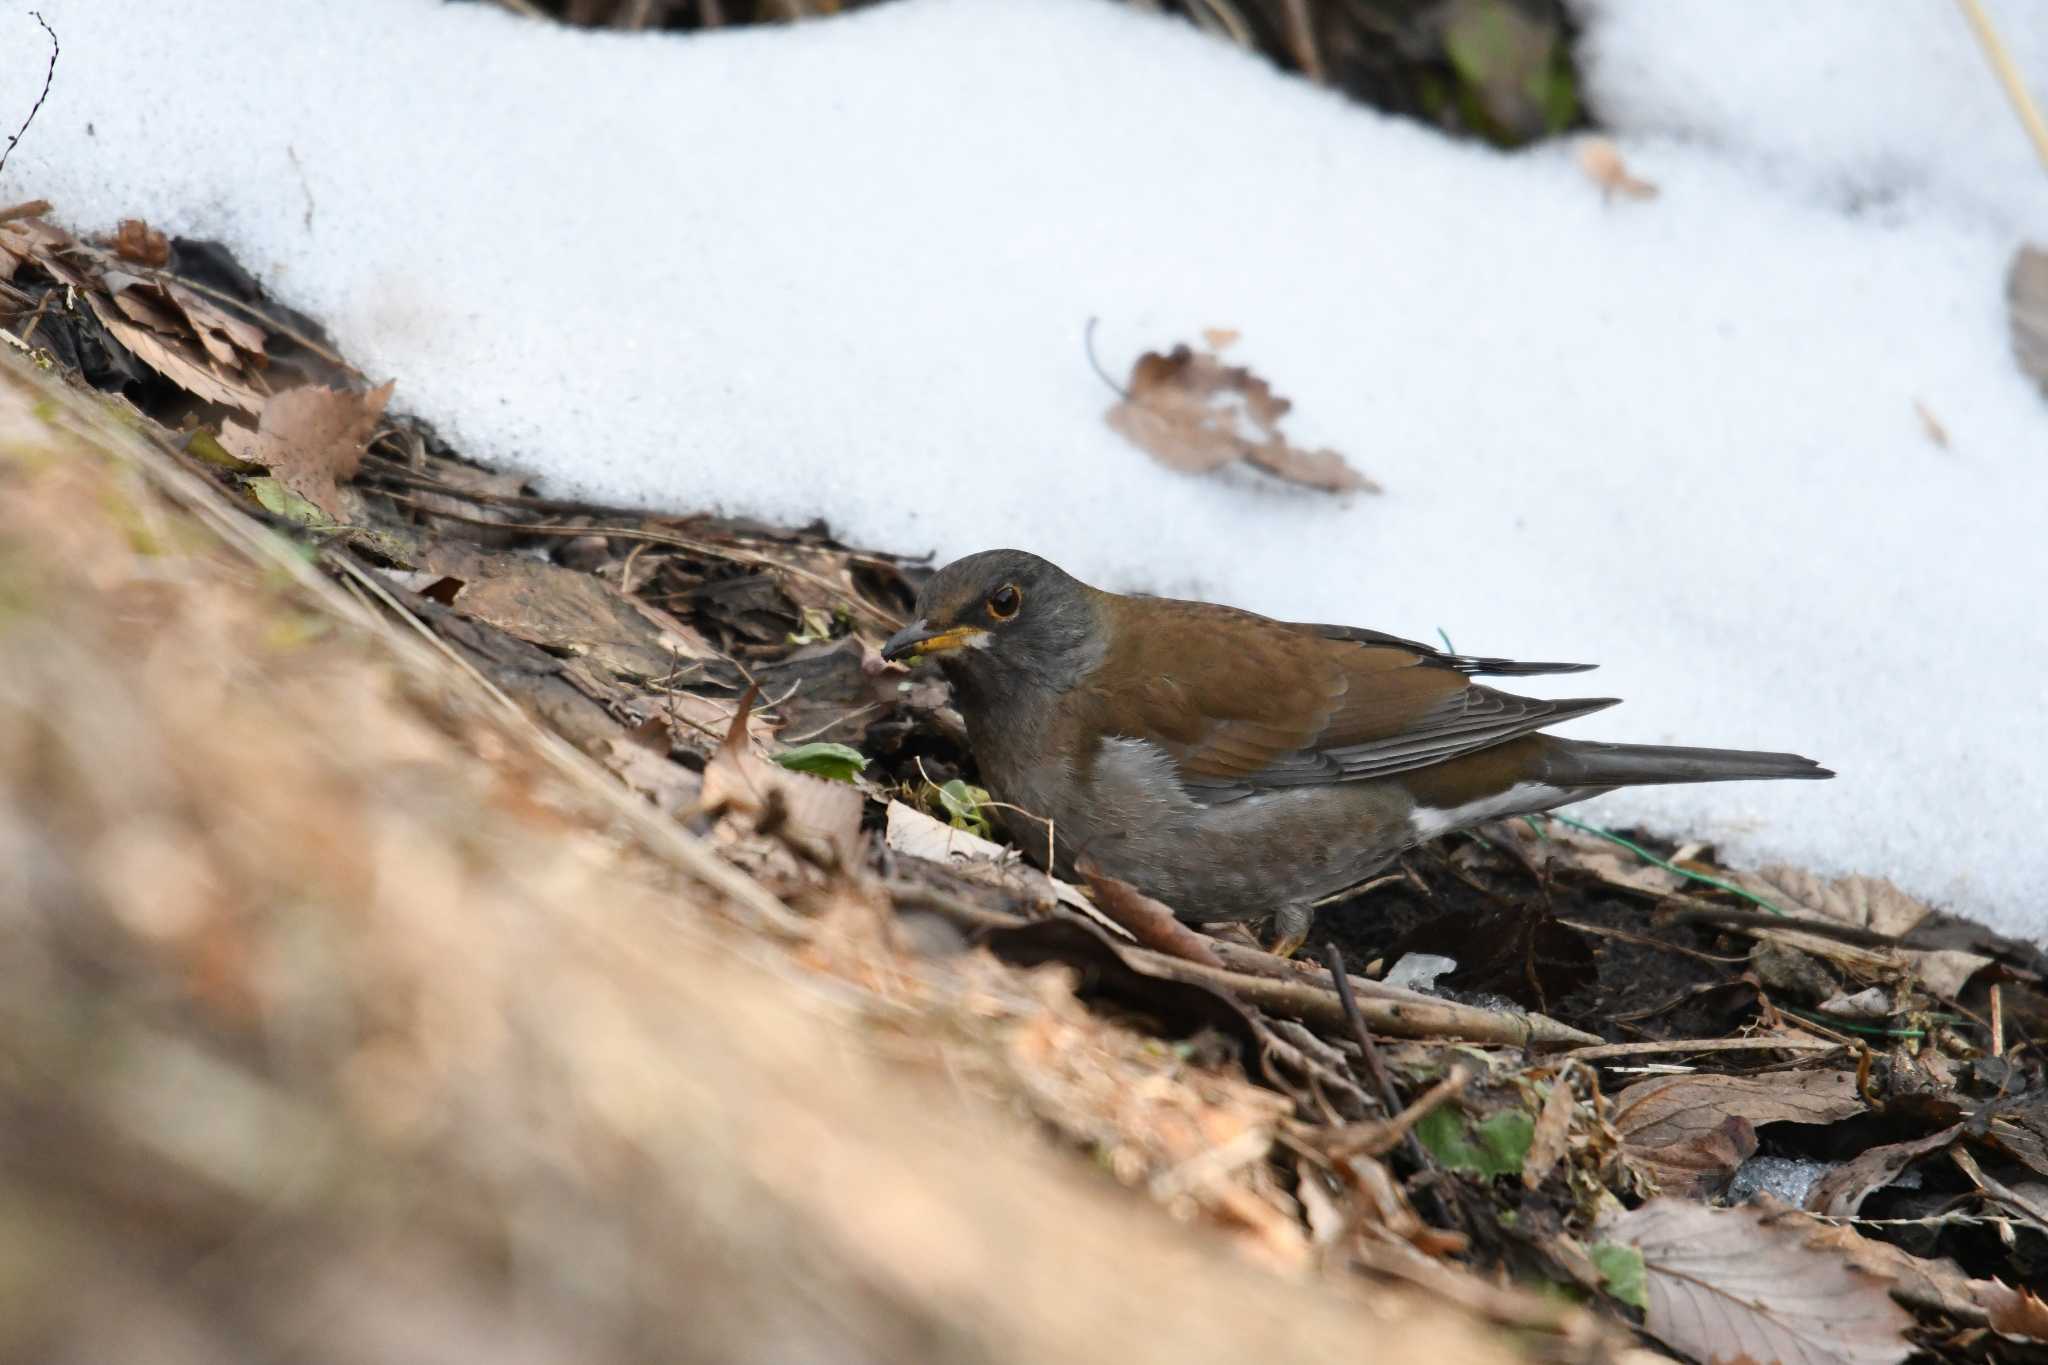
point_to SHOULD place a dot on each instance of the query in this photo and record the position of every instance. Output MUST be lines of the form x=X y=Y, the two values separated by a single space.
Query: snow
x=844 y=269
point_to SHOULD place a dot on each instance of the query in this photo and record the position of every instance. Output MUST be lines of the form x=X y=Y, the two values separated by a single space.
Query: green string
x=1652 y=858
x=1847 y=1027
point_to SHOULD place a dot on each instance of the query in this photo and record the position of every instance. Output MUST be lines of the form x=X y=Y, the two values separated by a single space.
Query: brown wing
x=1285 y=704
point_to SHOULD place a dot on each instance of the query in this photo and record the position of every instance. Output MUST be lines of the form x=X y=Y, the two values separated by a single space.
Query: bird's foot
x=1290 y=929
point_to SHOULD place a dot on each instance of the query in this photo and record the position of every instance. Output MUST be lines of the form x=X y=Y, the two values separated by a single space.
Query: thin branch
x=48 y=75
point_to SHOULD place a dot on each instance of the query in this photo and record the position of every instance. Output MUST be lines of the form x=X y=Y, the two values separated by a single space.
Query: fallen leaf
x=2015 y=1312
x=1601 y=160
x=834 y=762
x=1220 y=337
x=312 y=438
x=2026 y=295
x=1553 y=1132
x=1149 y=921
x=819 y=817
x=226 y=337
x=1727 y=1284
x=1621 y=1272
x=135 y=240
x=1937 y=1284
x=1691 y=1132
x=182 y=362
x=1841 y=1192
x=1191 y=412
x=1865 y=903
x=1497 y=1145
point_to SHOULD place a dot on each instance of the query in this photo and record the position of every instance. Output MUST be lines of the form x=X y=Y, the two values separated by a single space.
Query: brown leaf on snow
x=2026 y=296
x=1601 y=160
x=1725 y=1284
x=1191 y=412
x=1693 y=1131
x=312 y=438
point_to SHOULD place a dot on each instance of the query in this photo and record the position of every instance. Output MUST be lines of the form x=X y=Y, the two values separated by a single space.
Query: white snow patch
x=842 y=269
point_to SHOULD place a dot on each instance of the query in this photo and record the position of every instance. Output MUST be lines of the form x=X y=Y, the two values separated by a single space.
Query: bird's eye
x=1004 y=602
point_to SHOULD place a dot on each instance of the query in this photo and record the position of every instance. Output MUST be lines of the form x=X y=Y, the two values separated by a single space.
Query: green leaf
x=813 y=624
x=836 y=761
x=204 y=445
x=1497 y=1146
x=280 y=501
x=963 y=804
x=1621 y=1272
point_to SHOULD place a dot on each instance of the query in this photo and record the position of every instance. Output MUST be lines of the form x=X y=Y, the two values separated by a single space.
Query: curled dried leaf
x=1191 y=412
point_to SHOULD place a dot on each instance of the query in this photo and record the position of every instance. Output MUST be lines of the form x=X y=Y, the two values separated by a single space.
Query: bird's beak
x=919 y=638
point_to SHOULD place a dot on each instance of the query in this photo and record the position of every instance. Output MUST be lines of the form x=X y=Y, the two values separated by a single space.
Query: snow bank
x=843 y=270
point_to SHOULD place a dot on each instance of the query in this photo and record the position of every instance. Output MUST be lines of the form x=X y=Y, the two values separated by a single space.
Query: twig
x=1589 y=1054
x=48 y=75
x=1997 y=1023
x=1446 y=1208
x=1312 y=1004
x=1088 y=342
x=1729 y=917
x=2008 y=74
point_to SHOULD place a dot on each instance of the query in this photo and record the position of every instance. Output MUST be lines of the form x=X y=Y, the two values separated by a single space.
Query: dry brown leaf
x=1150 y=922
x=182 y=362
x=1841 y=1192
x=569 y=612
x=1693 y=1131
x=1940 y=1285
x=2015 y=1312
x=1865 y=903
x=816 y=815
x=1601 y=160
x=137 y=241
x=227 y=338
x=1729 y=1283
x=312 y=438
x=1191 y=412
x=1553 y=1132
x=1220 y=337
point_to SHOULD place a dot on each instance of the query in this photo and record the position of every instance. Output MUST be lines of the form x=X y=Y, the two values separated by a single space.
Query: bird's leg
x=1290 y=928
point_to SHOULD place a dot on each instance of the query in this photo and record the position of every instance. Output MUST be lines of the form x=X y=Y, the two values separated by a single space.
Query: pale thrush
x=1237 y=767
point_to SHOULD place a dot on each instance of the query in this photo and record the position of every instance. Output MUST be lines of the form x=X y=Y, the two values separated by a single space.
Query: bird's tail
x=1581 y=763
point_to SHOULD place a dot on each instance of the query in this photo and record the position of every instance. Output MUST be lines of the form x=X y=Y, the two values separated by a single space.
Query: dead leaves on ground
x=1691 y=1132
x=1732 y=1284
x=1191 y=412
x=312 y=439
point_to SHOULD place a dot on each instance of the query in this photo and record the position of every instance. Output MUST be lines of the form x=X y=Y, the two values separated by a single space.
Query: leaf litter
x=1481 y=1154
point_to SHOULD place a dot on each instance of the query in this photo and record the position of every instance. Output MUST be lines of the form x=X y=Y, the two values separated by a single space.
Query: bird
x=1242 y=768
